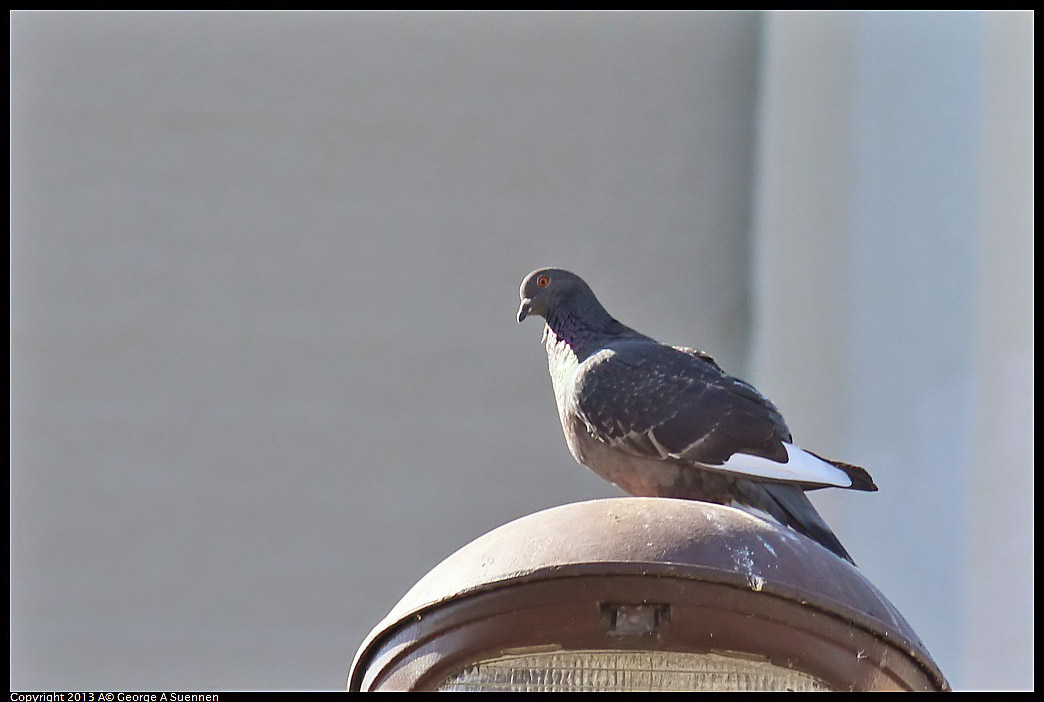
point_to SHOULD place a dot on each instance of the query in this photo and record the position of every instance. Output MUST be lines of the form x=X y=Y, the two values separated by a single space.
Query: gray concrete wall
x=265 y=371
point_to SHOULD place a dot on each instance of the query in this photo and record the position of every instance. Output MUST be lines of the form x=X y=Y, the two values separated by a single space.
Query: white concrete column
x=998 y=653
x=892 y=203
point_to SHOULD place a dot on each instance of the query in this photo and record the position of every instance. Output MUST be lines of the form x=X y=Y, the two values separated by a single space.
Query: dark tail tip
x=861 y=480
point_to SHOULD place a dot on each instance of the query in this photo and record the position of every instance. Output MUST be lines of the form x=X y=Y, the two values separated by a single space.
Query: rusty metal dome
x=701 y=559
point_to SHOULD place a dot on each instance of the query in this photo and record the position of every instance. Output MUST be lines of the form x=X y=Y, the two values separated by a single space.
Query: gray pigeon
x=667 y=421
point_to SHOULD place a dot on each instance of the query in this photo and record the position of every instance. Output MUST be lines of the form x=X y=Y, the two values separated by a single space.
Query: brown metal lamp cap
x=710 y=578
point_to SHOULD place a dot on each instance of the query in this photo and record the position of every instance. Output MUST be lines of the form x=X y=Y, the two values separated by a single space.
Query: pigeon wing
x=676 y=404
x=658 y=401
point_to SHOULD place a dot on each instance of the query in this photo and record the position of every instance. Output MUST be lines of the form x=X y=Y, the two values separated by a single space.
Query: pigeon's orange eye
x=543 y=281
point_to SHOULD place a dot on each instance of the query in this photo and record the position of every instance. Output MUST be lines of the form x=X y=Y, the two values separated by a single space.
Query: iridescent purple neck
x=588 y=330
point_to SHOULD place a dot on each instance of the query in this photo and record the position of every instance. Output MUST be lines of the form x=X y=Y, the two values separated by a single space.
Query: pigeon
x=667 y=421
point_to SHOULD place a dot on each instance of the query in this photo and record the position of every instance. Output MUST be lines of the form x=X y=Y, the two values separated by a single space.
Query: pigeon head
x=547 y=289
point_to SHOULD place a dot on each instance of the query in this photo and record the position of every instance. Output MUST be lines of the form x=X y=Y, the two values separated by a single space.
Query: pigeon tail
x=789 y=506
x=861 y=479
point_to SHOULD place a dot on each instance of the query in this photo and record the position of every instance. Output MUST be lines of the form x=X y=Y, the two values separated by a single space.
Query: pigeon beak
x=523 y=309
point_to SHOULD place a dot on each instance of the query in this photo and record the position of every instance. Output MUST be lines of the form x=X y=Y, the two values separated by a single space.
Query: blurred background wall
x=264 y=268
x=894 y=308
